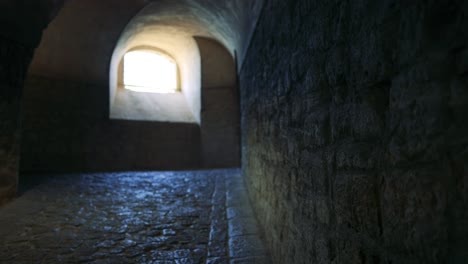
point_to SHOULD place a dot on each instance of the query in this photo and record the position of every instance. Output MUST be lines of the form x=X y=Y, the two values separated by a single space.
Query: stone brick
x=353 y=130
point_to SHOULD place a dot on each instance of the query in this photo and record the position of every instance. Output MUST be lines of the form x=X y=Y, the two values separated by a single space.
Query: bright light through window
x=149 y=72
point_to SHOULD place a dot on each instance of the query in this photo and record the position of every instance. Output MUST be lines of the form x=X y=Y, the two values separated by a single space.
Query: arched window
x=150 y=83
x=149 y=72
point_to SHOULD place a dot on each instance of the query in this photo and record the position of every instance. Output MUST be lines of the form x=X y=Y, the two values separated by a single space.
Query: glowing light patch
x=149 y=72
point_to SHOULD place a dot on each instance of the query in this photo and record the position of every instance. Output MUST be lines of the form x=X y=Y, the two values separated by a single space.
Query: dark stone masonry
x=355 y=140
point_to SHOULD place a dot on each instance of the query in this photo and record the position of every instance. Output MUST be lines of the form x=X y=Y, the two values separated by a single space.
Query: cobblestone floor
x=157 y=217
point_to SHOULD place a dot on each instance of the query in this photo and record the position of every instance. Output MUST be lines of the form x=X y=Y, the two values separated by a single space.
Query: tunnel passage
x=354 y=133
x=68 y=127
x=75 y=69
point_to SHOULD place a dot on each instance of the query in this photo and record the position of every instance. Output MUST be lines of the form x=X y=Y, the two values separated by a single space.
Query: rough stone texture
x=14 y=58
x=151 y=217
x=245 y=237
x=355 y=143
x=66 y=128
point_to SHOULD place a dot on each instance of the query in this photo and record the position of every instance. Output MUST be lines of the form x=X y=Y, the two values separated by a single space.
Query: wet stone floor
x=147 y=217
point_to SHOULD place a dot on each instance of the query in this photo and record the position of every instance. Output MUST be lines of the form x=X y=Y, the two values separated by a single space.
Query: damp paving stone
x=246 y=246
x=217 y=249
x=132 y=217
x=242 y=226
x=217 y=260
x=251 y=260
x=239 y=211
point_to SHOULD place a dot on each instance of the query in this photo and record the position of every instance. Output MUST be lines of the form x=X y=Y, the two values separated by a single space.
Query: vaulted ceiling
x=80 y=42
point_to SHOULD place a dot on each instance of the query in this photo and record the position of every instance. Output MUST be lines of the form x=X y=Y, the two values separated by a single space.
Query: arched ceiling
x=80 y=42
x=230 y=22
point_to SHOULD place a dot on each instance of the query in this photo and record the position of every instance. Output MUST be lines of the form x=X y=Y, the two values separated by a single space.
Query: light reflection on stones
x=178 y=217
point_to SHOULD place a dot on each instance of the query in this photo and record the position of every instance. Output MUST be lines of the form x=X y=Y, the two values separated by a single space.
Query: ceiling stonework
x=80 y=42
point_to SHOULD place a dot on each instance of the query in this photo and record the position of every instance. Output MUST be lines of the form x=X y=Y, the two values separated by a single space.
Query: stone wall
x=66 y=128
x=220 y=115
x=14 y=60
x=355 y=143
x=20 y=31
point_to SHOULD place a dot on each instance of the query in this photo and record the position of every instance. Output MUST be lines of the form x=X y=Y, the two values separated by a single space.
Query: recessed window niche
x=149 y=88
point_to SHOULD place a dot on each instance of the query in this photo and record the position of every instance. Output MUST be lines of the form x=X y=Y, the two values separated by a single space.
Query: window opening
x=149 y=72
